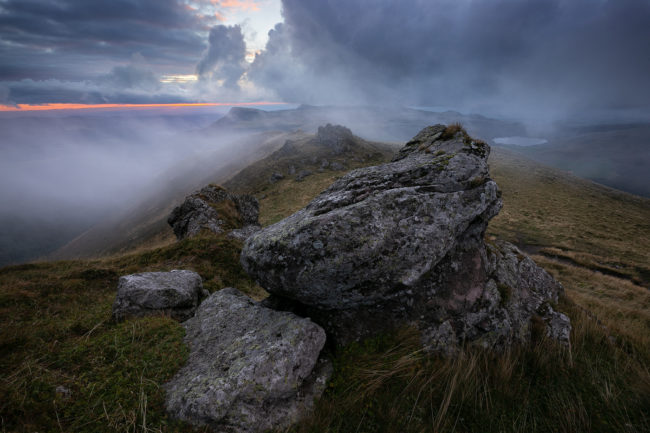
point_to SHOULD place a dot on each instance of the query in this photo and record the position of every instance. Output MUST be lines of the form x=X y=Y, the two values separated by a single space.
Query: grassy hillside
x=144 y=223
x=595 y=240
x=614 y=155
x=57 y=332
x=56 y=329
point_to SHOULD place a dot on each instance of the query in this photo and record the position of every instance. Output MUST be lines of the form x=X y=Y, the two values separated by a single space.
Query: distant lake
x=520 y=141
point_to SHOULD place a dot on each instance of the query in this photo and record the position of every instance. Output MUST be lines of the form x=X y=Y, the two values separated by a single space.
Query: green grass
x=57 y=332
x=56 y=329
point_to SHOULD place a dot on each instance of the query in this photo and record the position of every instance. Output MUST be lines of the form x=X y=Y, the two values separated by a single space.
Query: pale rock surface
x=176 y=293
x=250 y=368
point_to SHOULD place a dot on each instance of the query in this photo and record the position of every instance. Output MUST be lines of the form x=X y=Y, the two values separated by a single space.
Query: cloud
x=131 y=77
x=4 y=94
x=225 y=58
x=245 y=5
x=540 y=55
x=112 y=88
x=74 y=39
x=536 y=57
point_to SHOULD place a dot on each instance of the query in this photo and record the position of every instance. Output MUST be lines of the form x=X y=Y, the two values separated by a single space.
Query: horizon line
x=73 y=106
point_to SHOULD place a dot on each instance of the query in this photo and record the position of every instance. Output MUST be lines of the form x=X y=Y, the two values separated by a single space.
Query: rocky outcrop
x=214 y=209
x=336 y=137
x=250 y=369
x=176 y=293
x=403 y=243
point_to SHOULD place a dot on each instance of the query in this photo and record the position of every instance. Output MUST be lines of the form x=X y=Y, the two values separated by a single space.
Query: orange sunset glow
x=48 y=107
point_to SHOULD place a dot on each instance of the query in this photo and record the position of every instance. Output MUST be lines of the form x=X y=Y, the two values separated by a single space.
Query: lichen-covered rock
x=176 y=293
x=402 y=243
x=250 y=368
x=215 y=209
x=488 y=295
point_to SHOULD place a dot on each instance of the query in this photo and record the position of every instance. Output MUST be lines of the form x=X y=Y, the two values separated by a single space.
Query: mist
x=61 y=174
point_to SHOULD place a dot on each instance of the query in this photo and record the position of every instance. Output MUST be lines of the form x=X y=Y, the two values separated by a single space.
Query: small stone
x=176 y=293
x=303 y=174
x=276 y=177
x=63 y=392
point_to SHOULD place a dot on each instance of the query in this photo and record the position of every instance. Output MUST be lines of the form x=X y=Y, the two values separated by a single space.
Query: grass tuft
x=388 y=384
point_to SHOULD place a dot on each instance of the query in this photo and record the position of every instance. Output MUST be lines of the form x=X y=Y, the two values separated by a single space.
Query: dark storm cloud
x=512 y=56
x=537 y=54
x=225 y=58
x=105 y=90
x=72 y=39
x=131 y=77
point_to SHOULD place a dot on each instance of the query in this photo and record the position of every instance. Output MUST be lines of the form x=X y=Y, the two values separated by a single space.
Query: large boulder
x=403 y=243
x=176 y=293
x=214 y=209
x=250 y=369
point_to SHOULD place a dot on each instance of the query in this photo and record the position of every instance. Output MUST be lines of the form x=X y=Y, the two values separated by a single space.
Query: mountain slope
x=144 y=223
x=614 y=155
x=65 y=366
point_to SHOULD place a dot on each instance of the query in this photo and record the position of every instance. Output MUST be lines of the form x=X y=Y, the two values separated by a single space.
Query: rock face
x=213 y=208
x=176 y=293
x=250 y=369
x=403 y=243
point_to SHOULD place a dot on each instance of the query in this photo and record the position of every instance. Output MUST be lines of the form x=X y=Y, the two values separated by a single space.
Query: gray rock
x=292 y=170
x=303 y=174
x=487 y=295
x=337 y=166
x=245 y=232
x=402 y=243
x=250 y=369
x=63 y=392
x=276 y=177
x=176 y=293
x=324 y=163
x=337 y=138
x=214 y=209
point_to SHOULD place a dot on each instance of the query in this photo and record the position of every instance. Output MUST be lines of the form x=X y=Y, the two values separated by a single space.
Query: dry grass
x=288 y=196
x=388 y=385
x=548 y=208
x=595 y=240
x=451 y=131
x=622 y=306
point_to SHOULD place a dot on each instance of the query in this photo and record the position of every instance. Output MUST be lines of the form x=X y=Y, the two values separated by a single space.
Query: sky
x=512 y=57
